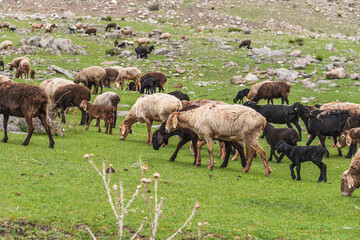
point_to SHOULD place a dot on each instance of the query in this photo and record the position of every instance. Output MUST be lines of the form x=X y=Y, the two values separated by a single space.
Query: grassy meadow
x=53 y=193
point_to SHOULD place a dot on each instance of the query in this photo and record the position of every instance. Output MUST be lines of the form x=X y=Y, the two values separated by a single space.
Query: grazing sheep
x=350 y=179
x=111 y=99
x=274 y=135
x=91 y=75
x=12 y=29
x=48 y=31
x=130 y=73
x=5 y=25
x=2 y=64
x=349 y=138
x=91 y=31
x=273 y=90
x=37 y=26
x=24 y=69
x=110 y=26
x=158 y=75
x=111 y=75
x=299 y=154
x=183 y=37
x=27 y=101
x=127 y=32
x=32 y=74
x=5 y=79
x=6 y=45
x=116 y=43
x=165 y=36
x=52 y=84
x=72 y=29
x=180 y=95
x=78 y=25
x=16 y=62
x=226 y=123
x=104 y=112
x=149 y=108
x=150 y=85
x=141 y=41
x=71 y=95
x=245 y=43
x=254 y=89
x=241 y=94
x=143 y=51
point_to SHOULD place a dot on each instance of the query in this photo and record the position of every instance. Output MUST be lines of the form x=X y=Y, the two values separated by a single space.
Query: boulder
x=52 y=68
x=46 y=41
x=337 y=73
x=295 y=53
x=226 y=48
x=238 y=80
x=251 y=77
x=62 y=44
x=23 y=42
x=330 y=47
x=161 y=51
x=286 y=75
x=114 y=35
x=34 y=41
x=300 y=63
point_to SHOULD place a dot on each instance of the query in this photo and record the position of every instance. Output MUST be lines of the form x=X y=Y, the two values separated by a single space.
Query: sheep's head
x=349 y=183
x=172 y=122
x=124 y=131
x=344 y=140
x=84 y=105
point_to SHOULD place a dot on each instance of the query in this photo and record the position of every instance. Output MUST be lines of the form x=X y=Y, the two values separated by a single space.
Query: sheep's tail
x=61 y=97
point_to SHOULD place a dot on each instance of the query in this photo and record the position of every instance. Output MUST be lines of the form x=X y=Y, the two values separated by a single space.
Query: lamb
x=245 y=43
x=141 y=41
x=126 y=32
x=91 y=31
x=71 y=95
x=37 y=26
x=110 y=26
x=16 y=62
x=12 y=29
x=226 y=123
x=104 y=112
x=32 y=74
x=143 y=51
x=350 y=138
x=274 y=135
x=27 y=101
x=149 y=84
x=6 y=45
x=350 y=179
x=273 y=90
x=180 y=95
x=78 y=25
x=110 y=99
x=299 y=154
x=165 y=36
x=129 y=73
x=158 y=75
x=149 y=108
x=91 y=75
x=2 y=64
x=24 y=68
x=241 y=94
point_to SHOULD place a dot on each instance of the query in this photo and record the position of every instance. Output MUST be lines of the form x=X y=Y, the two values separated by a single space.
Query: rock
x=34 y=41
x=337 y=73
x=355 y=76
x=156 y=32
x=247 y=32
x=60 y=70
x=215 y=39
x=114 y=35
x=161 y=51
x=238 y=80
x=69 y=15
x=62 y=44
x=23 y=42
x=251 y=77
x=308 y=84
x=230 y=64
x=300 y=64
x=262 y=51
x=334 y=65
x=286 y=75
x=295 y=53
x=330 y=47
x=334 y=85
x=46 y=41
x=226 y=48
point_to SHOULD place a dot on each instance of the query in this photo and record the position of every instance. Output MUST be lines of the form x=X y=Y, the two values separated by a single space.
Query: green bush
x=300 y=43
x=291 y=41
x=108 y=18
x=234 y=29
x=339 y=14
x=212 y=8
x=122 y=19
x=319 y=58
x=299 y=40
x=111 y=52
x=211 y=30
x=79 y=19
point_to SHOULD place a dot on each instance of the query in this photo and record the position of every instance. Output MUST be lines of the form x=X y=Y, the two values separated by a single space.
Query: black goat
x=180 y=95
x=150 y=85
x=299 y=154
x=143 y=51
x=241 y=94
x=277 y=114
x=2 y=64
x=274 y=135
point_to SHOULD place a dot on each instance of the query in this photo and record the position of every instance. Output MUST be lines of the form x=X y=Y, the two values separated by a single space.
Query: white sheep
x=91 y=75
x=148 y=108
x=224 y=122
x=165 y=36
x=142 y=41
x=16 y=62
x=52 y=84
x=6 y=45
x=4 y=79
x=130 y=73
x=78 y=25
x=108 y=98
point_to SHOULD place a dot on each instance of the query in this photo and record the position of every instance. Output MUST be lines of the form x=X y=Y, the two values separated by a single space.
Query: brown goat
x=127 y=32
x=158 y=75
x=71 y=95
x=91 y=31
x=245 y=43
x=110 y=26
x=273 y=90
x=37 y=26
x=104 y=112
x=27 y=101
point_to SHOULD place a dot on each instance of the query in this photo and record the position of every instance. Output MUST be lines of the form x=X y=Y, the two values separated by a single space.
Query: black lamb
x=2 y=64
x=150 y=85
x=143 y=51
x=180 y=95
x=241 y=94
x=299 y=154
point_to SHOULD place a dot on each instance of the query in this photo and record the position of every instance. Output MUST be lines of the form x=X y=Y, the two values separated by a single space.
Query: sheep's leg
x=339 y=149
x=200 y=144
x=222 y=150
x=148 y=124
x=323 y=145
x=298 y=128
x=271 y=153
x=280 y=157
x=312 y=137
x=180 y=144
x=6 y=119
x=31 y=127
x=298 y=167
x=45 y=123
x=262 y=154
x=95 y=88
x=110 y=125
x=287 y=101
x=114 y=118
x=97 y=122
x=322 y=167
x=209 y=143
x=88 y=123
x=292 y=165
x=250 y=152
x=83 y=117
x=350 y=152
x=128 y=81
x=274 y=153
x=194 y=146
x=227 y=154
x=63 y=119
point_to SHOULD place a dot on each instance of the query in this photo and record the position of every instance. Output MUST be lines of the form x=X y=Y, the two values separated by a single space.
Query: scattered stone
x=162 y=51
x=251 y=77
x=337 y=73
x=238 y=80
x=295 y=53
x=300 y=63
x=52 y=68
x=230 y=64
x=286 y=75
x=330 y=47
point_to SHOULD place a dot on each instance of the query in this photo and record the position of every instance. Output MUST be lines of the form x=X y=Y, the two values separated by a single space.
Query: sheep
x=129 y=73
x=165 y=36
x=16 y=62
x=127 y=32
x=24 y=68
x=141 y=41
x=6 y=45
x=48 y=31
x=72 y=29
x=71 y=95
x=226 y=123
x=350 y=179
x=111 y=99
x=5 y=25
x=110 y=26
x=91 y=31
x=274 y=135
x=273 y=90
x=180 y=95
x=350 y=138
x=27 y=101
x=78 y=25
x=183 y=37
x=91 y=75
x=143 y=51
x=37 y=26
x=149 y=84
x=5 y=79
x=12 y=29
x=241 y=94
x=245 y=43
x=254 y=89
x=116 y=43
x=111 y=75
x=53 y=26
x=32 y=74
x=299 y=154
x=159 y=75
x=52 y=84
x=149 y=108
x=2 y=64
x=104 y=112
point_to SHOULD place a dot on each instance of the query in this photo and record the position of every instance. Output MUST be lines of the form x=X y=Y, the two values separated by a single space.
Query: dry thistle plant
x=120 y=208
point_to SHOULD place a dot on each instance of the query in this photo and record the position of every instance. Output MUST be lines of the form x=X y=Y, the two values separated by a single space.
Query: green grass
x=59 y=189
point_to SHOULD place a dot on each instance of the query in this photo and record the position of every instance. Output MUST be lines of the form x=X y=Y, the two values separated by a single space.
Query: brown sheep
x=165 y=36
x=91 y=76
x=108 y=98
x=71 y=95
x=347 y=138
x=48 y=30
x=110 y=26
x=273 y=90
x=158 y=75
x=126 y=32
x=24 y=68
x=111 y=75
x=32 y=74
x=129 y=73
x=16 y=62
x=5 y=25
x=350 y=179
x=104 y=112
x=245 y=43
x=37 y=26
x=91 y=31
x=27 y=101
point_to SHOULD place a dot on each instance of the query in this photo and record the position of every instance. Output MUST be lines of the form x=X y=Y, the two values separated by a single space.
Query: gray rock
x=300 y=63
x=247 y=32
x=330 y=47
x=334 y=85
x=52 y=68
x=156 y=32
x=295 y=53
x=46 y=41
x=34 y=41
x=286 y=75
x=308 y=84
x=238 y=80
x=215 y=39
x=23 y=42
x=337 y=73
x=226 y=48
x=162 y=51
x=230 y=64
x=62 y=44
x=251 y=77
x=114 y=35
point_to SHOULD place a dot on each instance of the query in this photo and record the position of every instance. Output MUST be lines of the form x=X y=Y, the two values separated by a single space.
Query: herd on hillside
x=199 y=121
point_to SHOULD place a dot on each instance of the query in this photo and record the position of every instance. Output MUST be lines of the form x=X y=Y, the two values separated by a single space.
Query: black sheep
x=12 y=29
x=180 y=95
x=150 y=85
x=271 y=90
x=241 y=94
x=2 y=64
x=71 y=30
x=143 y=51
x=299 y=154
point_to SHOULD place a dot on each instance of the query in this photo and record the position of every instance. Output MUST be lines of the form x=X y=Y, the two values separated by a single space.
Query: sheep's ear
x=348 y=140
x=350 y=180
x=122 y=129
x=174 y=121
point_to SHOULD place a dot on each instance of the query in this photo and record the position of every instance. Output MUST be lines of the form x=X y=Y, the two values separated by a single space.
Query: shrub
x=299 y=40
x=291 y=41
x=212 y=8
x=79 y=19
x=154 y=7
x=339 y=14
x=234 y=29
x=319 y=58
x=108 y=18
x=111 y=52
x=300 y=44
x=122 y=19
x=211 y=30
